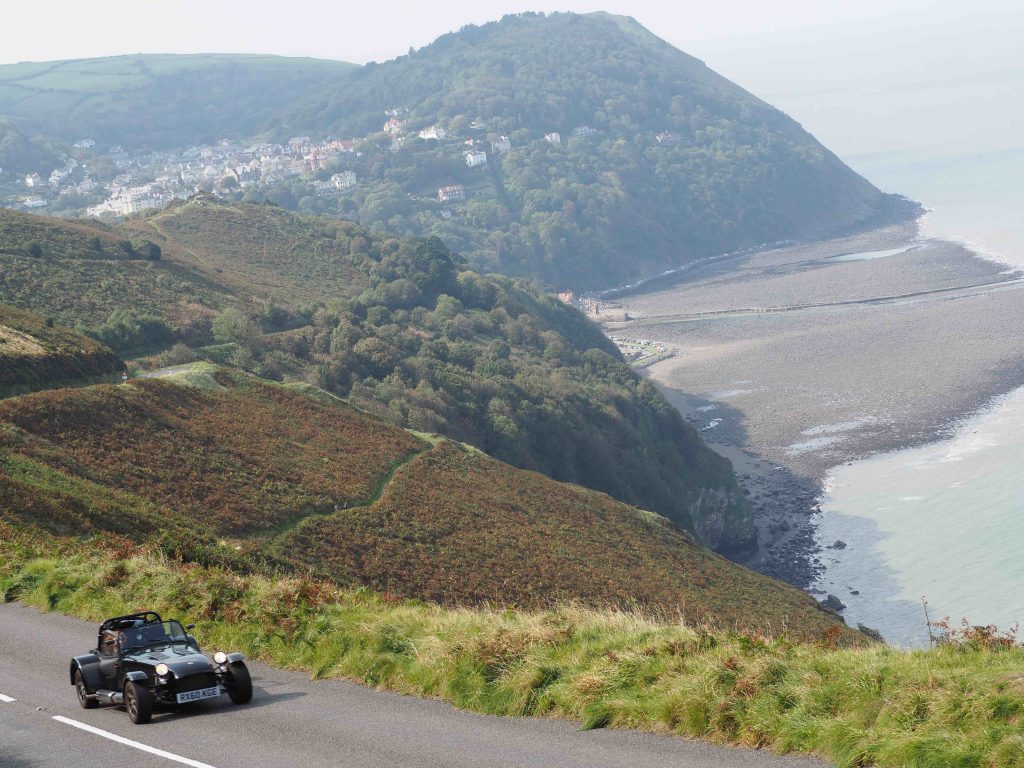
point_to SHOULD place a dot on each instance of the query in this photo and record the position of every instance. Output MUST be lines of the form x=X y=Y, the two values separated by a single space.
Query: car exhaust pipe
x=110 y=697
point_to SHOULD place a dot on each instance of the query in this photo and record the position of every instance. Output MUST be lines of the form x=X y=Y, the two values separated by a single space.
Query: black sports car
x=144 y=662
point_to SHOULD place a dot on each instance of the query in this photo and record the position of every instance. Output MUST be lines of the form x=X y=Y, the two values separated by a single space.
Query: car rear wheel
x=139 y=703
x=239 y=683
x=83 y=694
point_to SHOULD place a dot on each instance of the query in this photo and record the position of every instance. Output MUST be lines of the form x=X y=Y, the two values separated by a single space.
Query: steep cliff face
x=724 y=521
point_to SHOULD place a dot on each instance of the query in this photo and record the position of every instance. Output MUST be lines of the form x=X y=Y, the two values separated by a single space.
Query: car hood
x=182 y=660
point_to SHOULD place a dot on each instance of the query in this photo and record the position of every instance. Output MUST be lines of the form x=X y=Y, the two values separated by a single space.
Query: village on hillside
x=110 y=183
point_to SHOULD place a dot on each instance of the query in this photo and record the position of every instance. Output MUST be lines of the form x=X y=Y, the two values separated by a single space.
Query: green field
x=153 y=101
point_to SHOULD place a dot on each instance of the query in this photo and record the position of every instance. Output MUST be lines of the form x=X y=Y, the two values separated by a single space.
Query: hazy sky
x=364 y=31
x=951 y=82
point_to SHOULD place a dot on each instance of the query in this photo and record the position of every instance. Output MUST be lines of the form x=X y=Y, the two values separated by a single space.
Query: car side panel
x=136 y=676
x=90 y=666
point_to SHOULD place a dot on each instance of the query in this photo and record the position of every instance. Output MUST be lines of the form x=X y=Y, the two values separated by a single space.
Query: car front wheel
x=139 y=703
x=83 y=694
x=239 y=683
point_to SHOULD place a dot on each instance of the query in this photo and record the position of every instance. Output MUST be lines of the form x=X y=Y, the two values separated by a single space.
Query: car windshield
x=160 y=633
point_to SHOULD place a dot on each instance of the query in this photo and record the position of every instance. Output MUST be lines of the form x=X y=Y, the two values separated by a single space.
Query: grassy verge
x=869 y=706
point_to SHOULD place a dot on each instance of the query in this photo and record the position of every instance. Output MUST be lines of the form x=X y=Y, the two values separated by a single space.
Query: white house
x=476 y=158
x=344 y=180
x=33 y=180
x=85 y=144
x=583 y=130
x=58 y=176
x=501 y=145
x=553 y=138
x=434 y=133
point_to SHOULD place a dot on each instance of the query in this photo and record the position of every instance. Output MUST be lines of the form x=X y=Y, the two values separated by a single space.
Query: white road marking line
x=7 y=699
x=130 y=743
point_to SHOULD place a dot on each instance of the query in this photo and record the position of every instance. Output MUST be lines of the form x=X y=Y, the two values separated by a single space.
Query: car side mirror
x=189 y=627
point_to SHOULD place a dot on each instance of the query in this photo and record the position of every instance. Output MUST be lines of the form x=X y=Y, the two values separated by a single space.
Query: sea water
x=976 y=198
x=944 y=522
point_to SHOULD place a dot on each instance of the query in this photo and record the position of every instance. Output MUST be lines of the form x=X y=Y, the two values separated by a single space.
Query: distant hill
x=220 y=467
x=150 y=101
x=37 y=354
x=21 y=153
x=398 y=327
x=611 y=155
x=657 y=159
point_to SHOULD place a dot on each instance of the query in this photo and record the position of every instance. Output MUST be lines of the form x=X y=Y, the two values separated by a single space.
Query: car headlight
x=220 y=657
x=162 y=670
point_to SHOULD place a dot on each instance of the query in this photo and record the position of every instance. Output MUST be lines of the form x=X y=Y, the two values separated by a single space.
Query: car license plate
x=202 y=693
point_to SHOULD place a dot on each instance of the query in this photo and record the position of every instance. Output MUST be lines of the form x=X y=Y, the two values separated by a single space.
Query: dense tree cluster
x=492 y=362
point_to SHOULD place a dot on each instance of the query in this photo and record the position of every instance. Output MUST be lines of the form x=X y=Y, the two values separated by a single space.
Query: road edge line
x=7 y=699
x=130 y=743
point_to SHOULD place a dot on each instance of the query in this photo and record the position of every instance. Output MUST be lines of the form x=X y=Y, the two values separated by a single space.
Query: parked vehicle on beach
x=143 y=662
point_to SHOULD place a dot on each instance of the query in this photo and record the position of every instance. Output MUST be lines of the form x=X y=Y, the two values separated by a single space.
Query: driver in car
x=110 y=643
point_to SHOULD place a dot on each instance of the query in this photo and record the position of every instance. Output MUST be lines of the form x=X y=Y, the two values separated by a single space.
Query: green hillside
x=86 y=276
x=679 y=163
x=399 y=327
x=37 y=354
x=216 y=466
x=157 y=101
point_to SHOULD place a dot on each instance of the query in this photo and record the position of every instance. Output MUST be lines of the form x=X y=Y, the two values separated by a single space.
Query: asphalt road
x=293 y=721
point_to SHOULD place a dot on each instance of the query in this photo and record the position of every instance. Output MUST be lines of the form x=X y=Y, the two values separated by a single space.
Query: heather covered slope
x=36 y=354
x=263 y=250
x=541 y=541
x=230 y=469
x=399 y=327
x=82 y=273
x=658 y=161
